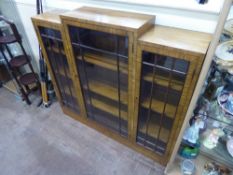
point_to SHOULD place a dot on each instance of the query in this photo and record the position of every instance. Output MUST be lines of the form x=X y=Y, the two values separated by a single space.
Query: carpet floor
x=44 y=141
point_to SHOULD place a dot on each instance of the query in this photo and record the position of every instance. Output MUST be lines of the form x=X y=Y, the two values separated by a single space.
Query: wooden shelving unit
x=114 y=71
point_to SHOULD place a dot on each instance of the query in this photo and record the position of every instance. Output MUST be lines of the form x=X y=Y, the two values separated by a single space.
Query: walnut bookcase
x=129 y=79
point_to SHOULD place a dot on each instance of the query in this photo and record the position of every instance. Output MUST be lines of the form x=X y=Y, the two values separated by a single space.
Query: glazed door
x=102 y=64
x=162 y=82
x=53 y=45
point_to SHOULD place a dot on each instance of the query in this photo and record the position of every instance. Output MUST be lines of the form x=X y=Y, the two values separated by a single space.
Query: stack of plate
x=227 y=31
x=224 y=52
x=224 y=56
x=228 y=28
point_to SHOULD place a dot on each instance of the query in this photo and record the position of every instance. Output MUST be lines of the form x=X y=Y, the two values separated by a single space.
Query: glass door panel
x=162 y=81
x=54 y=47
x=102 y=63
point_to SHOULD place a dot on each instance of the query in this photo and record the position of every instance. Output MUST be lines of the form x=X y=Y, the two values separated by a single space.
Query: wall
x=199 y=18
x=10 y=10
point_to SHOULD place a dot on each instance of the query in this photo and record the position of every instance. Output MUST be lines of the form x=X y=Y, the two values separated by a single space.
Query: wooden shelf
x=63 y=73
x=71 y=102
x=157 y=106
x=109 y=108
x=69 y=98
x=56 y=50
x=67 y=90
x=153 y=130
x=107 y=91
x=60 y=68
x=62 y=77
x=67 y=85
x=164 y=81
x=105 y=62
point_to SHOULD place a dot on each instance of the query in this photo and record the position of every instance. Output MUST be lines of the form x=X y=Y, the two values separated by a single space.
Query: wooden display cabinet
x=169 y=61
x=130 y=80
x=102 y=44
x=49 y=33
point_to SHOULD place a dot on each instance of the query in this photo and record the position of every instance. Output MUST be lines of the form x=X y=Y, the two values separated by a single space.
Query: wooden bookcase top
x=185 y=40
x=50 y=16
x=109 y=18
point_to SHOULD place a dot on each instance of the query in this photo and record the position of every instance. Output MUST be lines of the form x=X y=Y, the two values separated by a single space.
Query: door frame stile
x=36 y=24
x=72 y=64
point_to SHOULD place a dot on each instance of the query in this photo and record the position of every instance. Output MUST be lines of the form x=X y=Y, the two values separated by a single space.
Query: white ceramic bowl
x=224 y=51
